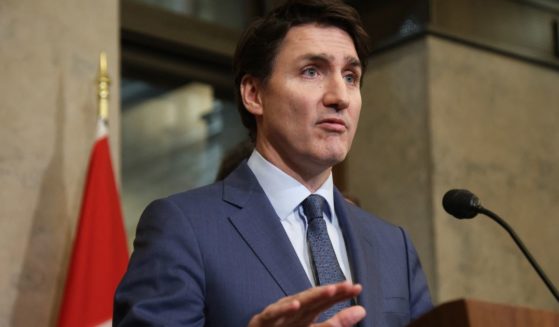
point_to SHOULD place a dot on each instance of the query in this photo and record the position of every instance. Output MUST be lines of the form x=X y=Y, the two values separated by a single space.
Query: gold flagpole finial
x=103 y=83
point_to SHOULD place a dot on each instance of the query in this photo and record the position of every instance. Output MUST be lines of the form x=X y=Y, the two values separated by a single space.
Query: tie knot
x=313 y=206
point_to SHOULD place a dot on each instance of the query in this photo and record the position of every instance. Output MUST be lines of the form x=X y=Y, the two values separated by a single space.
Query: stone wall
x=494 y=131
x=439 y=115
x=48 y=63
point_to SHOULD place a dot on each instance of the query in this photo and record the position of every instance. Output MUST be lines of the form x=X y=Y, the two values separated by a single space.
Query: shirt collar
x=285 y=192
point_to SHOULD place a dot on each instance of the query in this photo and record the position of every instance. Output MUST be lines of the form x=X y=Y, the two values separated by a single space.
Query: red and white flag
x=100 y=252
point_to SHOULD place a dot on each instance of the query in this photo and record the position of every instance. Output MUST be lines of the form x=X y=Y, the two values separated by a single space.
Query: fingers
x=345 y=318
x=275 y=313
x=318 y=299
x=302 y=308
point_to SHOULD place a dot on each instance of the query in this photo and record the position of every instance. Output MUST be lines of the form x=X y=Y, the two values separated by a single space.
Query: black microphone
x=463 y=204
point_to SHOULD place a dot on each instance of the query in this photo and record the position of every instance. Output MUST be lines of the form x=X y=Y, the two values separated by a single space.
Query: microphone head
x=462 y=204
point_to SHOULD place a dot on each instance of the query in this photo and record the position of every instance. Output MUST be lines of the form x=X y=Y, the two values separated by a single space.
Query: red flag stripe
x=100 y=252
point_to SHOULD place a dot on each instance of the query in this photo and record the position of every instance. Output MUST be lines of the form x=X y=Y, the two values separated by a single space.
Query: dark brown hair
x=259 y=43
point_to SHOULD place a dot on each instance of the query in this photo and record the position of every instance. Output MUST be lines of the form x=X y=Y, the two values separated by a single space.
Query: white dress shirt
x=286 y=195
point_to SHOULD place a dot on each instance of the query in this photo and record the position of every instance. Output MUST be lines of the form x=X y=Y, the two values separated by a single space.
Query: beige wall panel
x=48 y=64
x=439 y=115
x=494 y=131
x=389 y=164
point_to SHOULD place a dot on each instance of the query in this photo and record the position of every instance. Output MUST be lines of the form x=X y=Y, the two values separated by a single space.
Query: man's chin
x=334 y=159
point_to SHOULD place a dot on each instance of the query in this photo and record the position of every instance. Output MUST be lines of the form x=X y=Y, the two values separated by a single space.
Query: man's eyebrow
x=350 y=60
x=354 y=62
x=316 y=57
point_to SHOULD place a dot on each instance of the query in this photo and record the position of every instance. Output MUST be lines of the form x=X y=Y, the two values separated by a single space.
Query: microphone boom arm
x=523 y=248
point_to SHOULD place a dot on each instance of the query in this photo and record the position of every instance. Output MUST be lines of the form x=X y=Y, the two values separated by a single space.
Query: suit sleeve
x=164 y=284
x=420 y=299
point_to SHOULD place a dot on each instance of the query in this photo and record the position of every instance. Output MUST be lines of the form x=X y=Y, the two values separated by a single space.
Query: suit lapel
x=363 y=258
x=261 y=229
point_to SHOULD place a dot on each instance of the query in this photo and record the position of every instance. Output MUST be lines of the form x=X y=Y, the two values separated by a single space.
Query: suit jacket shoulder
x=213 y=256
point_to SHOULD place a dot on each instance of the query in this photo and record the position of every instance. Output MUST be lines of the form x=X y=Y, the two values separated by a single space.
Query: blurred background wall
x=48 y=62
x=471 y=102
x=458 y=94
x=439 y=115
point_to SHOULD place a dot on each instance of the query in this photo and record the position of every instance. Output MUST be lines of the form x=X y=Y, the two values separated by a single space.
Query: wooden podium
x=466 y=313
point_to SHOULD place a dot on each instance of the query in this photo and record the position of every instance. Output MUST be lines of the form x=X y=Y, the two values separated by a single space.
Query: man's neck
x=311 y=176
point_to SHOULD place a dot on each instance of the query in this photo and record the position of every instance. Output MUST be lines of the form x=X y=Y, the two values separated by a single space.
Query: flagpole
x=100 y=251
x=103 y=83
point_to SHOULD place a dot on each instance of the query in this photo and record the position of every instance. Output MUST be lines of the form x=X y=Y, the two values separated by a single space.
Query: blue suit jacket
x=218 y=255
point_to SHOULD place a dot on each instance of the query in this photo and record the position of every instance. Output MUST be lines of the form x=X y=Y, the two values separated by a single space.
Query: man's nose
x=336 y=94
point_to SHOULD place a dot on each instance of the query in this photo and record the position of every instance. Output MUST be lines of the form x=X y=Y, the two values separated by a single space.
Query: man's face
x=308 y=109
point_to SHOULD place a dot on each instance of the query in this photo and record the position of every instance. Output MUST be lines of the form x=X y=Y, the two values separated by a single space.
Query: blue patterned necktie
x=323 y=258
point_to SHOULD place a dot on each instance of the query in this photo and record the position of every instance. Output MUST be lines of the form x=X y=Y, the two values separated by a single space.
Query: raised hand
x=303 y=308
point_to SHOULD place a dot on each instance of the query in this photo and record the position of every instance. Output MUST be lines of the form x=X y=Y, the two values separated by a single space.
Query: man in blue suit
x=246 y=251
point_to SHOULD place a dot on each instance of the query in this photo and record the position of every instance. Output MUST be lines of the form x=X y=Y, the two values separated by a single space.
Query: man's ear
x=250 y=93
